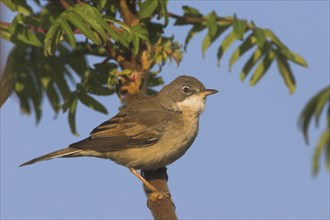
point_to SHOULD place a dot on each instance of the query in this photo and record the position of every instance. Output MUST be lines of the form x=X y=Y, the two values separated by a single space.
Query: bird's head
x=185 y=93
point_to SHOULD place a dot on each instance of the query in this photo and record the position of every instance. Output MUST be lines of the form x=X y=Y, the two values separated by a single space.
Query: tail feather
x=59 y=153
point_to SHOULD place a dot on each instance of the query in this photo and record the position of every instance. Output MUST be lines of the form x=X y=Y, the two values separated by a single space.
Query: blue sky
x=249 y=160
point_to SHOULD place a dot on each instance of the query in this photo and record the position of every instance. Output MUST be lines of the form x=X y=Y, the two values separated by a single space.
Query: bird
x=149 y=133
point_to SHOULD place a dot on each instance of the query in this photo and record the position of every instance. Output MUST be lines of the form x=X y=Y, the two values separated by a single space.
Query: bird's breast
x=181 y=138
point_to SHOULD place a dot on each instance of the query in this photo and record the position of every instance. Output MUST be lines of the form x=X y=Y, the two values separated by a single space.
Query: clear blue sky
x=249 y=160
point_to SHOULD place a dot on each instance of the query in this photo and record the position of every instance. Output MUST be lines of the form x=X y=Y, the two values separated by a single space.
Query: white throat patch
x=195 y=103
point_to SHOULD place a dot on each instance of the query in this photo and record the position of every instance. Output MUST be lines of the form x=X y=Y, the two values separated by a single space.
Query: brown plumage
x=149 y=133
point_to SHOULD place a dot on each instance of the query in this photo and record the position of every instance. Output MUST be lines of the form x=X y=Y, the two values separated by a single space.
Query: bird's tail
x=66 y=152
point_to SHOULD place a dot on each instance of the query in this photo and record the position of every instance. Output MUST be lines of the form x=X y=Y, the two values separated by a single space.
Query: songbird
x=149 y=133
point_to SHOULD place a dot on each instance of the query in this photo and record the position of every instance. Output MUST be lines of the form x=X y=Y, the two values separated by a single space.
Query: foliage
x=314 y=108
x=266 y=45
x=53 y=42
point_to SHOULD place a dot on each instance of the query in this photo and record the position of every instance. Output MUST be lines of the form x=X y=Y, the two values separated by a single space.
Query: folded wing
x=127 y=129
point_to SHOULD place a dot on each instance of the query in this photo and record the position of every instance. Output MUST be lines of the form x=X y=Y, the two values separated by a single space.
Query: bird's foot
x=145 y=182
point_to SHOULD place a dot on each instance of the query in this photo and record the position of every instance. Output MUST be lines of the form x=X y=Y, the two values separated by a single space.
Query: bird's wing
x=127 y=129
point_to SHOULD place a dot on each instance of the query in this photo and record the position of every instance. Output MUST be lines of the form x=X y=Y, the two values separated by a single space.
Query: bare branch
x=159 y=203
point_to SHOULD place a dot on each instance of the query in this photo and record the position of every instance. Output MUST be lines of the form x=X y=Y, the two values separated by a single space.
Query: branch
x=122 y=60
x=197 y=20
x=64 y=4
x=128 y=16
x=160 y=203
x=32 y=28
x=186 y=18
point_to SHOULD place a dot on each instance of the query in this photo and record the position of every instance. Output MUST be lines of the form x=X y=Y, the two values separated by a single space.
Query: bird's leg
x=145 y=182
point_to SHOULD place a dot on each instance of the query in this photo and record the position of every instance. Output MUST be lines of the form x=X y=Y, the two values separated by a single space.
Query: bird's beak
x=207 y=92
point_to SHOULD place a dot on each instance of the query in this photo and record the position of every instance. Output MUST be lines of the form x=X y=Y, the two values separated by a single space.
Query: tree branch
x=197 y=20
x=64 y=4
x=32 y=28
x=159 y=203
x=128 y=16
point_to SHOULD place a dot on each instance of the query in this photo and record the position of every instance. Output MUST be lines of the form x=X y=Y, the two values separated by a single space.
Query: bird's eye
x=186 y=90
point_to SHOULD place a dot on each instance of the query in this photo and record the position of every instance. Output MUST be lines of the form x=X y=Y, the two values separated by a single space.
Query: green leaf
x=163 y=5
x=25 y=35
x=262 y=67
x=62 y=85
x=323 y=98
x=255 y=57
x=140 y=32
x=89 y=21
x=227 y=42
x=239 y=27
x=51 y=39
x=5 y=33
x=24 y=103
x=119 y=23
x=53 y=98
x=195 y=29
x=286 y=72
x=93 y=18
x=211 y=23
x=206 y=44
x=7 y=80
x=305 y=117
x=260 y=35
x=18 y=5
x=155 y=81
x=68 y=33
x=92 y=103
x=121 y=38
x=188 y=12
x=285 y=50
x=147 y=8
x=249 y=42
x=72 y=105
x=207 y=41
x=296 y=58
x=36 y=101
x=323 y=145
x=136 y=45
x=314 y=107
x=78 y=64
x=191 y=11
x=214 y=31
x=101 y=4
x=269 y=33
x=99 y=90
x=76 y=20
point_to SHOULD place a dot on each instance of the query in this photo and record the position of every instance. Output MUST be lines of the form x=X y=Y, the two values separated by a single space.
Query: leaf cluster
x=262 y=43
x=314 y=109
x=52 y=57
